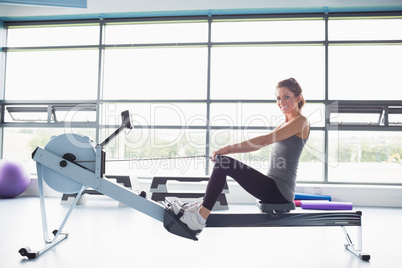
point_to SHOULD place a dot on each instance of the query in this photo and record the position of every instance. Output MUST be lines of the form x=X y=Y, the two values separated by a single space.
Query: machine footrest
x=173 y=225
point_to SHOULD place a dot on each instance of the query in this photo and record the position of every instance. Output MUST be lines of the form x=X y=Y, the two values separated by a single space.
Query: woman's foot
x=187 y=213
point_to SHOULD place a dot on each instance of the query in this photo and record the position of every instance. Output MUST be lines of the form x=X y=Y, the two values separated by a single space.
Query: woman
x=278 y=186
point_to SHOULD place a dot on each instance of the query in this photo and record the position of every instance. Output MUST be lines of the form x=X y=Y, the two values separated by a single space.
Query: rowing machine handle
x=125 y=119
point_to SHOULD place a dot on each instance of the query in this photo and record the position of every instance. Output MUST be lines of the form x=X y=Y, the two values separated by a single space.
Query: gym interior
x=112 y=109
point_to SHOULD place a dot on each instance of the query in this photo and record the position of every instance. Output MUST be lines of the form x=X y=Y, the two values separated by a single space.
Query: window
x=355 y=72
x=250 y=72
x=268 y=30
x=156 y=33
x=51 y=113
x=155 y=73
x=364 y=88
x=342 y=29
x=195 y=84
x=365 y=157
x=57 y=35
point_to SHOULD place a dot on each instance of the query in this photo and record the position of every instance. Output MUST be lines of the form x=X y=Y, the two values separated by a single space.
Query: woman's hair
x=293 y=86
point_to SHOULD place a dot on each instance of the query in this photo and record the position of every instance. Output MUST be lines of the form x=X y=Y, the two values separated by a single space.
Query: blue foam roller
x=302 y=196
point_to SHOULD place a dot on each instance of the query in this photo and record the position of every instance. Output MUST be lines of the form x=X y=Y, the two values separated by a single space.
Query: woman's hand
x=221 y=151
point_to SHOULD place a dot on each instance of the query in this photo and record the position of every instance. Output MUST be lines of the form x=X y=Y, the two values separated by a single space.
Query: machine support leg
x=58 y=234
x=42 y=204
x=356 y=250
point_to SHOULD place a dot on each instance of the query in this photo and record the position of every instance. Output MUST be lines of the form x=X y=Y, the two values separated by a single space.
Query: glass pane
x=365 y=72
x=315 y=114
x=248 y=31
x=50 y=113
x=355 y=119
x=163 y=114
x=253 y=72
x=53 y=36
x=170 y=73
x=258 y=160
x=156 y=33
x=365 y=29
x=311 y=165
x=75 y=113
x=260 y=114
x=158 y=143
x=19 y=143
x=395 y=115
x=52 y=75
x=28 y=114
x=311 y=161
x=372 y=157
x=245 y=114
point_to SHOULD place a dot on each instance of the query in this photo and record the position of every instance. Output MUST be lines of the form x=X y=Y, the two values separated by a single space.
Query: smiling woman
x=288 y=94
x=278 y=186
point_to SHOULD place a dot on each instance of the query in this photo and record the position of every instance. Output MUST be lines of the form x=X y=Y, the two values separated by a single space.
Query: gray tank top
x=284 y=163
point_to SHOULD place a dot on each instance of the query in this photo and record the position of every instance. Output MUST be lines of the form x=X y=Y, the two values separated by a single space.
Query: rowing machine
x=71 y=163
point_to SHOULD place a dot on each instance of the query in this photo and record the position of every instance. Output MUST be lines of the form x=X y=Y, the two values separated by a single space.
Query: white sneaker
x=181 y=204
x=188 y=214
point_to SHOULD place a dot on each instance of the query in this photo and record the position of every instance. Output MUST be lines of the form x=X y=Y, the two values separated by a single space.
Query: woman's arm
x=294 y=127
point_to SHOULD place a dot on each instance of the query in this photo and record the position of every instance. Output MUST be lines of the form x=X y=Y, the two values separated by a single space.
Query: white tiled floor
x=105 y=235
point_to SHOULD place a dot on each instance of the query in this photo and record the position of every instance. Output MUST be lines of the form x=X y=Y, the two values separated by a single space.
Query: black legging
x=254 y=182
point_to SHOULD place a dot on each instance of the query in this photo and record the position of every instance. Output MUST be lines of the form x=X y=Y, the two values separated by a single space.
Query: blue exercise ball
x=14 y=178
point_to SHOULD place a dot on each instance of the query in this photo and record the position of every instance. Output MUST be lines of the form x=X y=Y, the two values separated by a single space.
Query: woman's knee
x=224 y=162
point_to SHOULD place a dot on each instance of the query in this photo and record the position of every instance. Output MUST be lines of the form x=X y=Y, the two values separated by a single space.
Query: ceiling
x=138 y=8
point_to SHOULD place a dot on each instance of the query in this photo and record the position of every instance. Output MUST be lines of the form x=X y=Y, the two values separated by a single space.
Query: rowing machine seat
x=275 y=210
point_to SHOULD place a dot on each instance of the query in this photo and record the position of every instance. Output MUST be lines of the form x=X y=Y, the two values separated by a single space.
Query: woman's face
x=286 y=100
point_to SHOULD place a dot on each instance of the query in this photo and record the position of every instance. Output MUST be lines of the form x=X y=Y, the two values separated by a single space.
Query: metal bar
x=114 y=134
x=212 y=127
x=204 y=44
x=163 y=19
x=365 y=127
x=359 y=245
x=73 y=205
x=100 y=76
x=356 y=250
x=326 y=97
x=10 y=24
x=365 y=42
x=369 y=14
x=268 y=43
x=153 y=45
x=231 y=17
x=208 y=123
x=328 y=102
x=52 y=125
x=386 y=116
x=16 y=49
x=42 y=203
x=365 y=102
x=46 y=102
x=347 y=236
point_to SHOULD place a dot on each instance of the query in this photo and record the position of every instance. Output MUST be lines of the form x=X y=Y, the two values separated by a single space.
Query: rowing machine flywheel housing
x=73 y=148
